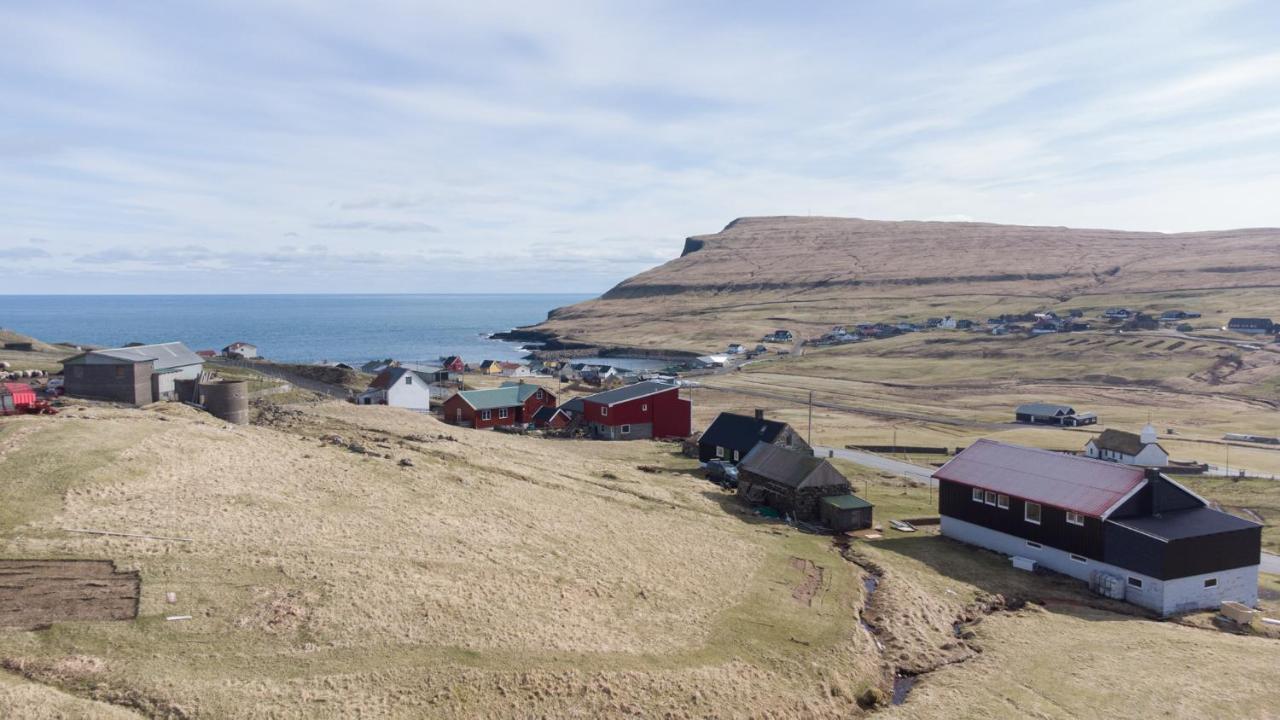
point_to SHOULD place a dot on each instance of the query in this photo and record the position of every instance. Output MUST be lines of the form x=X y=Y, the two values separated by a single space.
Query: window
x=1075 y=518
x=626 y=429
x=119 y=372
x=458 y=414
x=719 y=452
x=644 y=407
x=1031 y=512
x=1002 y=502
x=735 y=456
x=539 y=394
x=977 y=495
x=486 y=414
x=408 y=379
x=604 y=411
x=1035 y=545
x=991 y=498
x=502 y=413
x=1211 y=582
x=1135 y=582
x=1079 y=558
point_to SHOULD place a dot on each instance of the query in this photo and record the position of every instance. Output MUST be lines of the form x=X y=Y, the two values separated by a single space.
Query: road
x=333 y=391
x=882 y=463
x=1271 y=563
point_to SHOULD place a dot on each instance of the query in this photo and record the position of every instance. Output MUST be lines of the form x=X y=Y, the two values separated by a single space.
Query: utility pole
x=810 y=418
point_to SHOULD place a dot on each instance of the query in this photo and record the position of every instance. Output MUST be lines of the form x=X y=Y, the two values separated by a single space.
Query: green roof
x=505 y=396
x=846 y=502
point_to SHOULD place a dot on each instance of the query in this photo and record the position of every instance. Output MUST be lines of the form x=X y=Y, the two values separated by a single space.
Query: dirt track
x=36 y=593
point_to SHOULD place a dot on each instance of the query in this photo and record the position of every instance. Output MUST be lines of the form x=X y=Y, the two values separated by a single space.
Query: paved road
x=1270 y=563
x=882 y=463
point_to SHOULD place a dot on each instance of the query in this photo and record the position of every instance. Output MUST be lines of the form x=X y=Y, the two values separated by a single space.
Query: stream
x=902 y=684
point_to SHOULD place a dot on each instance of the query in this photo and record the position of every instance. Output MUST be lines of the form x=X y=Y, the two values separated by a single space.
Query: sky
x=396 y=146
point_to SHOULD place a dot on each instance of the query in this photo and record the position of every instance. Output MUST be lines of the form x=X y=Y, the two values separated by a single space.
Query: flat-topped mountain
x=762 y=271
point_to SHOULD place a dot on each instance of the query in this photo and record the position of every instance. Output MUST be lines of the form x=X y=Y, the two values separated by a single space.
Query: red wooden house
x=511 y=404
x=636 y=412
x=453 y=363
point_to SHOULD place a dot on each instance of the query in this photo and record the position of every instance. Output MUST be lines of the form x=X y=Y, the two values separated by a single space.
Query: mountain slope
x=814 y=272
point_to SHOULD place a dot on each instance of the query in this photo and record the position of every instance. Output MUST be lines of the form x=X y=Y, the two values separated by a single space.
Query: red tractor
x=20 y=399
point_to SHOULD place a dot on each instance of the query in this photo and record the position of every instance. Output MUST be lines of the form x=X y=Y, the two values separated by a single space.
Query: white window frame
x=977 y=495
x=1210 y=583
x=1135 y=582
x=719 y=452
x=502 y=413
x=1034 y=544
x=644 y=407
x=1080 y=558
x=486 y=414
x=539 y=394
x=625 y=429
x=1026 y=514
x=604 y=411
x=989 y=498
x=736 y=456
x=1002 y=502
x=1075 y=518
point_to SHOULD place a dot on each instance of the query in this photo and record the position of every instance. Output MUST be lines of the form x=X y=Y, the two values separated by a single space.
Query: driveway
x=881 y=463
x=1270 y=563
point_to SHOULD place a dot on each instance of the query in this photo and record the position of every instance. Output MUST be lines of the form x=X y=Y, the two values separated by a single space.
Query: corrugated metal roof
x=1087 y=486
x=791 y=468
x=629 y=392
x=846 y=502
x=1044 y=409
x=165 y=355
x=506 y=396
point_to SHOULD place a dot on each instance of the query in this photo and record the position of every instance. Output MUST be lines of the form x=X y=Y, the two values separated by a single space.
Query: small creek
x=902 y=684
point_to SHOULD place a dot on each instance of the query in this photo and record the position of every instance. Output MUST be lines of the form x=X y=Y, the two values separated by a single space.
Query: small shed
x=16 y=397
x=843 y=513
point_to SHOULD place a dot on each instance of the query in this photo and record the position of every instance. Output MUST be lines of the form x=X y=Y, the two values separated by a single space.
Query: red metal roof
x=1090 y=487
x=22 y=393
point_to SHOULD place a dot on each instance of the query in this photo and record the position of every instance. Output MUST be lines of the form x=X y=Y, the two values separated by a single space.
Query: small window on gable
x=991 y=498
x=1002 y=502
x=644 y=407
x=719 y=452
x=1031 y=512
x=735 y=456
x=119 y=371
x=1211 y=582
x=1035 y=545
x=1135 y=582
x=604 y=411
x=1075 y=518
x=977 y=495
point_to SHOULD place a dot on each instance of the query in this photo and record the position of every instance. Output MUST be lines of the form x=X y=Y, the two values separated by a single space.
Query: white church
x=1129 y=449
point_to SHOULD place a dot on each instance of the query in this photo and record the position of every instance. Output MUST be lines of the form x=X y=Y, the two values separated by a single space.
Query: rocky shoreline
x=549 y=346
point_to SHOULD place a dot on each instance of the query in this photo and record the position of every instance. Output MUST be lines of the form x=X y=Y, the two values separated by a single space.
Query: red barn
x=644 y=410
x=453 y=363
x=511 y=404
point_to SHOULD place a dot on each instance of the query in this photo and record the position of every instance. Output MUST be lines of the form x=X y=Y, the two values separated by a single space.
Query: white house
x=399 y=387
x=1125 y=447
x=240 y=350
x=947 y=323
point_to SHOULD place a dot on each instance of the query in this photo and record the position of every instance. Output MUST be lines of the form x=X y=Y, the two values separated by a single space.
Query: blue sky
x=308 y=146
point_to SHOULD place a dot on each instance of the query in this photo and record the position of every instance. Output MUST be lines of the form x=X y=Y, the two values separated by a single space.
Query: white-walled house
x=241 y=350
x=399 y=387
x=1125 y=447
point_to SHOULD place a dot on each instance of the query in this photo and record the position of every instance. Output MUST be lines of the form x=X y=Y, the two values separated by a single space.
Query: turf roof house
x=138 y=375
x=1039 y=413
x=801 y=486
x=399 y=387
x=515 y=403
x=1151 y=541
x=641 y=411
x=731 y=436
x=1125 y=447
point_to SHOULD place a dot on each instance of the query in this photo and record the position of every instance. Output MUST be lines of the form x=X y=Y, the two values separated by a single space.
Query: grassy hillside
x=811 y=273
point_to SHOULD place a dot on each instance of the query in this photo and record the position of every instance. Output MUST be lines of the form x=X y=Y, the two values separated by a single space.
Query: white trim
x=1002 y=501
x=486 y=414
x=1107 y=513
x=1039 y=511
x=977 y=494
x=989 y=497
x=625 y=428
x=1079 y=521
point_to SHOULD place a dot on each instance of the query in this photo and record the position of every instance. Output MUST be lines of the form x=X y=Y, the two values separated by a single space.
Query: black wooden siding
x=956 y=500
x=1185 y=557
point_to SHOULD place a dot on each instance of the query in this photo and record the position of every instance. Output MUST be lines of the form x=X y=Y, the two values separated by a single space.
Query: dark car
x=722 y=473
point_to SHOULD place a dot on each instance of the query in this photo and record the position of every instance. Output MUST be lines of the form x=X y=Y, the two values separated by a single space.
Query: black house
x=1131 y=533
x=1251 y=326
x=731 y=436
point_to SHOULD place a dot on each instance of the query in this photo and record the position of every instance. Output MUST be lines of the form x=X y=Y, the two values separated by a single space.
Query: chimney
x=759 y=414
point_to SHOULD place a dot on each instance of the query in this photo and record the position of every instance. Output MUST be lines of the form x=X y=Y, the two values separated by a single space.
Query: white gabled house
x=399 y=387
x=1125 y=447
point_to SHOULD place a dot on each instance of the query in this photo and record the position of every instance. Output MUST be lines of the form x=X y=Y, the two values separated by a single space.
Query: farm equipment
x=20 y=399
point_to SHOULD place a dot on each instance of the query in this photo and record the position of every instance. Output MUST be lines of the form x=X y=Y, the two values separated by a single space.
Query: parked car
x=721 y=473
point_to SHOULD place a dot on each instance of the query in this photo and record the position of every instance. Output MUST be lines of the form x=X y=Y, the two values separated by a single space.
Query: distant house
x=712 y=360
x=1130 y=532
x=1128 y=448
x=731 y=436
x=735 y=349
x=1040 y=413
x=453 y=363
x=240 y=350
x=137 y=375
x=1251 y=326
x=399 y=387
x=512 y=404
x=1116 y=313
x=207 y=354
x=964 y=324
x=376 y=366
x=490 y=367
x=1172 y=315
x=947 y=323
x=552 y=418
x=516 y=370
x=779 y=336
x=794 y=483
x=648 y=409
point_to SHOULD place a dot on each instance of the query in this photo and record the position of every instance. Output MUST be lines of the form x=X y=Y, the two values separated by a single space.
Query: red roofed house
x=453 y=363
x=1130 y=532
x=641 y=411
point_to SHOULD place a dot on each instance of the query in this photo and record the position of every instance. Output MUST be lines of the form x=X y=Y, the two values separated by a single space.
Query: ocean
x=290 y=328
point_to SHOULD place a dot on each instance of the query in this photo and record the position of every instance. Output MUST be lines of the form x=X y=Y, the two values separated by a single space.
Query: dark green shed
x=845 y=512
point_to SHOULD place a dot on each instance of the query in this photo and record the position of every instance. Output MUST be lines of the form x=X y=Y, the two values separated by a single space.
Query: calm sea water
x=290 y=328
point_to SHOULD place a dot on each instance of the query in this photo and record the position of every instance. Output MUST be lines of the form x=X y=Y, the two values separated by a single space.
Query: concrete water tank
x=227 y=400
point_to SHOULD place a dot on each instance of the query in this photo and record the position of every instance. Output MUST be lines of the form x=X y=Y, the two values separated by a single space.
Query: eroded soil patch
x=37 y=593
